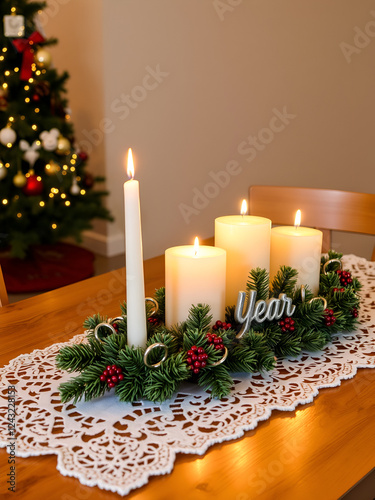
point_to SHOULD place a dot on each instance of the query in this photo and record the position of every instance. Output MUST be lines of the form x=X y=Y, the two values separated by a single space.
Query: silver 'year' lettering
x=261 y=310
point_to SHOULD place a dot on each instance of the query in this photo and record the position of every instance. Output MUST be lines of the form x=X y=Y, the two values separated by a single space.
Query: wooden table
x=318 y=451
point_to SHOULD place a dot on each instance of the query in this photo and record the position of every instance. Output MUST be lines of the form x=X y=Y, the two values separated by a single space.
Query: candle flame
x=130 y=164
x=244 y=207
x=196 y=245
x=297 y=220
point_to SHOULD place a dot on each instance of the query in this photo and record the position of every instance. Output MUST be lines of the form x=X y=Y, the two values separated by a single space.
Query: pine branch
x=193 y=337
x=161 y=383
x=272 y=335
x=177 y=332
x=160 y=299
x=252 y=354
x=328 y=282
x=242 y=359
x=113 y=344
x=92 y=321
x=132 y=364
x=199 y=318
x=73 y=389
x=123 y=307
x=312 y=340
x=356 y=284
x=229 y=315
x=217 y=380
x=87 y=385
x=284 y=281
x=258 y=281
x=164 y=337
x=309 y=314
x=330 y=256
x=289 y=345
x=345 y=300
x=78 y=357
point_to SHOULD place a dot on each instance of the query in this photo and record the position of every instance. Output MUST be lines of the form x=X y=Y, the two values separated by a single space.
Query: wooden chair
x=325 y=209
x=3 y=291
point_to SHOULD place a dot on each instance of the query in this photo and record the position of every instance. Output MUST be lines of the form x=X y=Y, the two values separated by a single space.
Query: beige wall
x=222 y=69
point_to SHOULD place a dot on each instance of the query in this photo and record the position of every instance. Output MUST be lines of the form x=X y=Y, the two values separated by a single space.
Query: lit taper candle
x=135 y=286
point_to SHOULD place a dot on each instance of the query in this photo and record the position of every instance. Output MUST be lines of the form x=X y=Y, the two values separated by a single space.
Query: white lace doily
x=118 y=446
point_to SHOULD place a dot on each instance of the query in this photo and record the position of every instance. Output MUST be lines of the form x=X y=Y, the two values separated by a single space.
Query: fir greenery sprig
x=284 y=281
x=258 y=282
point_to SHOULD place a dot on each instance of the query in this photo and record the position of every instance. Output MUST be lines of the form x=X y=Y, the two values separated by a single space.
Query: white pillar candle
x=246 y=239
x=300 y=248
x=194 y=274
x=135 y=286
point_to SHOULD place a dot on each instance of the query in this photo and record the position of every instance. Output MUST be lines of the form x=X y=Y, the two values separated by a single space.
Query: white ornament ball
x=7 y=136
x=3 y=171
x=75 y=189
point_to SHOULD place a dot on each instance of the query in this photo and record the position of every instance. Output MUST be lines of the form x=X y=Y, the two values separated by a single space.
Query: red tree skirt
x=47 y=267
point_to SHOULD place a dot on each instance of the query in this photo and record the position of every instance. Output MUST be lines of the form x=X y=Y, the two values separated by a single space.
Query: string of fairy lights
x=8 y=137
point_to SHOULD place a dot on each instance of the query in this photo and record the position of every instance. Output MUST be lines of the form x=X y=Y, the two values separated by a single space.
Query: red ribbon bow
x=25 y=47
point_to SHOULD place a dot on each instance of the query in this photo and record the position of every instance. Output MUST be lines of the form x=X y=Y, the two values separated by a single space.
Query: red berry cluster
x=215 y=340
x=345 y=277
x=287 y=325
x=339 y=289
x=197 y=358
x=329 y=318
x=153 y=321
x=112 y=375
x=355 y=312
x=115 y=326
x=219 y=325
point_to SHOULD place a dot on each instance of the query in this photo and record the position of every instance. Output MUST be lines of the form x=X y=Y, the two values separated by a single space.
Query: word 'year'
x=260 y=310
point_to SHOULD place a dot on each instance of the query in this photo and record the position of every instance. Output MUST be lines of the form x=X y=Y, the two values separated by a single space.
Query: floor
x=364 y=490
x=101 y=265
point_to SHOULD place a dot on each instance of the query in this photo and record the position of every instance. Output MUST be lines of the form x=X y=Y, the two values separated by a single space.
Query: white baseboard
x=109 y=246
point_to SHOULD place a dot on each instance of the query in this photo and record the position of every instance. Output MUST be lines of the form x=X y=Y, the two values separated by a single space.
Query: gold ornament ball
x=19 y=180
x=43 y=58
x=52 y=168
x=63 y=146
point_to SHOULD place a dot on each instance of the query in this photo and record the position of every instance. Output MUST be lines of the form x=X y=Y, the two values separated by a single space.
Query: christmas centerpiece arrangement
x=181 y=334
x=46 y=194
x=270 y=321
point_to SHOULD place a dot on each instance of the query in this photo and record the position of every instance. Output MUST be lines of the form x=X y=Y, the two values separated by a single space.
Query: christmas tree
x=45 y=192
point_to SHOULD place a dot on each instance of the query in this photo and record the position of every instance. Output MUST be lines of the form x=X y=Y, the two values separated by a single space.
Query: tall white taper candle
x=135 y=286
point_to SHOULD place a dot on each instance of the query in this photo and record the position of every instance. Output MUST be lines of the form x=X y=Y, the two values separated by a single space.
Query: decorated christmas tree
x=46 y=194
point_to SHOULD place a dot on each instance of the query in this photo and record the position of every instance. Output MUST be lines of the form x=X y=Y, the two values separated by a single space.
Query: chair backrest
x=325 y=209
x=3 y=291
